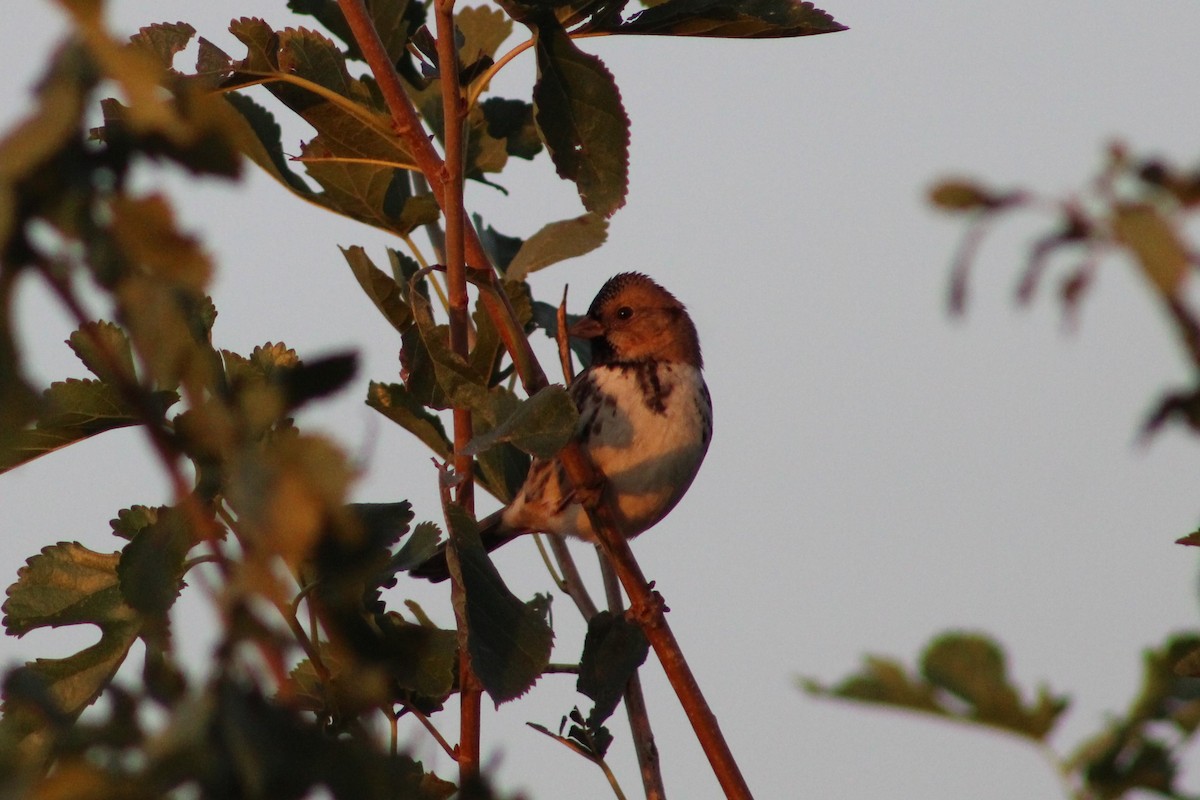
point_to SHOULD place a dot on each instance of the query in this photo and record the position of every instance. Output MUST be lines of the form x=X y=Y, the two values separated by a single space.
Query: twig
x=429 y=726
x=572 y=582
x=635 y=701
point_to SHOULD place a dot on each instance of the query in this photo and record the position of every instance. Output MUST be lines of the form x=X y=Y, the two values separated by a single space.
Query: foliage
x=311 y=650
x=1138 y=210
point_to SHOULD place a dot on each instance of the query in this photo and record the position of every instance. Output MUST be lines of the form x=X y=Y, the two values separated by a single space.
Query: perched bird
x=645 y=420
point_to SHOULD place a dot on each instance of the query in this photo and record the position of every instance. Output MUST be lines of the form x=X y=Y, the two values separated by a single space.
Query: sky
x=880 y=471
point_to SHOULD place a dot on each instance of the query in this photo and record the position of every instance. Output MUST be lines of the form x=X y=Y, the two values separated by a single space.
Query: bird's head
x=633 y=319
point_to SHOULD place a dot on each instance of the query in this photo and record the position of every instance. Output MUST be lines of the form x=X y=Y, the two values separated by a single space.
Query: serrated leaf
x=419 y=546
x=483 y=30
x=163 y=40
x=1155 y=244
x=133 y=519
x=738 y=19
x=67 y=584
x=105 y=350
x=151 y=565
x=258 y=137
x=613 y=650
x=71 y=411
x=509 y=641
x=356 y=156
x=579 y=113
x=396 y=403
x=380 y=287
x=557 y=242
x=540 y=425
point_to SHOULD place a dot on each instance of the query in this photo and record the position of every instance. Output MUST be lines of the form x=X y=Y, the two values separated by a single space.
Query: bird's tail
x=491 y=533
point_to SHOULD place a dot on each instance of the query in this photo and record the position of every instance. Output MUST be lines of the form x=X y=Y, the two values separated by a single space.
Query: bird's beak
x=586 y=328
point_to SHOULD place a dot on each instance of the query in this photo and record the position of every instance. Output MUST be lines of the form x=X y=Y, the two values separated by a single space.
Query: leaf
x=556 y=242
x=739 y=19
x=483 y=30
x=509 y=641
x=67 y=584
x=613 y=650
x=145 y=230
x=258 y=138
x=959 y=195
x=974 y=669
x=151 y=565
x=355 y=156
x=133 y=519
x=419 y=546
x=965 y=679
x=163 y=40
x=440 y=377
x=396 y=403
x=1192 y=539
x=512 y=121
x=540 y=425
x=71 y=411
x=1154 y=243
x=380 y=287
x=105 y=350
x=500 y=248
x=579 y=113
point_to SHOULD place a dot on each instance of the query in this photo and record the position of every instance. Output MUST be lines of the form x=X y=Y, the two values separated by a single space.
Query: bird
x=645 y=421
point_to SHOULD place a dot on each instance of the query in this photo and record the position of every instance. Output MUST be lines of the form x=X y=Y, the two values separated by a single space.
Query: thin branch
x=635 y=701
x=429 y=726
x=572 y=582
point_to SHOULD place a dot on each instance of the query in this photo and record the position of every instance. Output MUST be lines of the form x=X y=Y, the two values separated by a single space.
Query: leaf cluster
x=310 y=645
x=964 y=677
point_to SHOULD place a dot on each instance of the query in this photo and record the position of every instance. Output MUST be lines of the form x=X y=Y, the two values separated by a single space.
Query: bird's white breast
x=647 y=428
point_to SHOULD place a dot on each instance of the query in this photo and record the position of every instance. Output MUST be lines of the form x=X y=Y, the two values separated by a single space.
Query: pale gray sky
x=879 y=472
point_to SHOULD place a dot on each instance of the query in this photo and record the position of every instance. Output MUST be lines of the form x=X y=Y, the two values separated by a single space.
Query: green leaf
x=738 y=19
x=974 y=669
x=557 y=242
x=151 y=565
x=258 y=137
x=613 y=650
x=509 y=641
x=380 y=287
x=356 y=156
x=419 y=546
x=396 y=403
x=67 y=584
x=512 y=121
x=437 y=375
x=882 y=681
x=130 y=521
x=105 y=350
x=579 y=112
x=965 y=679
x=540 y=425
x=71 y=411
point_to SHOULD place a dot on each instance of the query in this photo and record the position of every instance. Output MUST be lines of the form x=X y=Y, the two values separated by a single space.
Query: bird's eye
x=624 y=312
